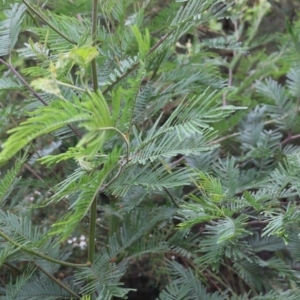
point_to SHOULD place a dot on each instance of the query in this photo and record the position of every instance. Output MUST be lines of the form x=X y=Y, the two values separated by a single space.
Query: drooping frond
x=9 y=181
x=101 y=277
x=283 y=110
x=187 y=16
x=38 y=287
x=73 y=31
x=9 y=84
x=50 y=118
x=186 y=286
x=134 y=237
x=151 y=177
x=87 y=194
x=10 y=28
x=13 y=288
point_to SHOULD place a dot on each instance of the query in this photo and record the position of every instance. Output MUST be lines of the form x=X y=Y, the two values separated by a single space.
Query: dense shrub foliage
x=148 y=139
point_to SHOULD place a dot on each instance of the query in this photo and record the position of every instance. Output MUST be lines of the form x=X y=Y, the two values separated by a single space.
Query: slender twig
x=249 y=284
x=162 y=39
x=229 y=82
x=157 y=66
x=171 y=197
x=230 y=69
x=70 y=86
x=16 y=269
x=94 y=42
x=92 y=230
x=33 y=92
x=111 y=86
x=290 y=138
x=134 y=66
x=123 y=137
x=224 y=138
x=257 y=222
x=33 y=18
x=26 y=166
x=57 y=281
x=105 y=186
x=168 y=193
x=42 y=17
x=46 y=257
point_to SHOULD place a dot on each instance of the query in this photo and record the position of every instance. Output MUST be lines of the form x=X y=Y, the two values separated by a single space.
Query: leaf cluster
x=192 y=176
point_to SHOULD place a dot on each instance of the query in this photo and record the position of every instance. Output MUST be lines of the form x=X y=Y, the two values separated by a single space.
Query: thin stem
x=123 y=137
x=224 y=138
x=46 y=257
x=93 y=209
x=92 y=231
x=229 y=82
x=16 y=269
x=57 y=281
x=290 y=138
x=110 y=87
x=94 y=39
x=102 y=189
x=74 y=87
x=171 y=197
x=134 y=66
x=26 y=166
x=36 y=12
x=157 y=66
x=33 y=18
x=168 y=192
x=33 y=92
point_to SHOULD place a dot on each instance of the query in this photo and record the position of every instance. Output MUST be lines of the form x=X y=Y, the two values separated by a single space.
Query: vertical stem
x=94 y=39
x=93 y=216
x=93 y=211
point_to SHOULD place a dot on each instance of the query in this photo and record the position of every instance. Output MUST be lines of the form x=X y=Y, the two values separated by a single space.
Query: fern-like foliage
x=139 y=173
x=10 y=28
x=186 y=286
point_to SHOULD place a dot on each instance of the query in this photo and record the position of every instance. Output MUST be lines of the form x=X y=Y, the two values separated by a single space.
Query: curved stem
x=123 y=137
x=46 y=257
x=36 y=12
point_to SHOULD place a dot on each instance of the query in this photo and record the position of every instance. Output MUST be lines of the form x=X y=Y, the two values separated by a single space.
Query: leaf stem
x=94 y=39
x=46 y=257
x=36 y=12
x=74 y=87
x=33 y=92
x=92 y=231
x=123 y=137
x=57 y=281
x=134 y=66
x=93 y=209
x=224 y=138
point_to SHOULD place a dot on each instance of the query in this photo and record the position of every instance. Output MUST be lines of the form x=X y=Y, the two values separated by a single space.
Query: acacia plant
x=138 y=125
